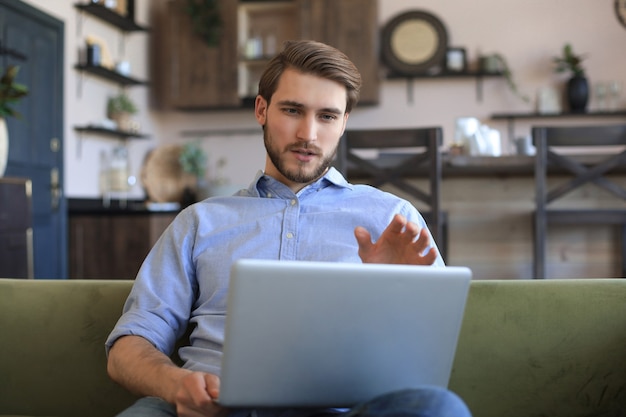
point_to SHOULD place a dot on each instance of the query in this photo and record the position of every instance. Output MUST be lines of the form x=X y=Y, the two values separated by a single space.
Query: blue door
x=33 y=40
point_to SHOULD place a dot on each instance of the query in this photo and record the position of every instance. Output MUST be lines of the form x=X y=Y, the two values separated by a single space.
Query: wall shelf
x=511 y=117
x=121 y=22
x=447 y=74
x=110 y=75
x=120 y=134
x=124 y=24
x=477 y=75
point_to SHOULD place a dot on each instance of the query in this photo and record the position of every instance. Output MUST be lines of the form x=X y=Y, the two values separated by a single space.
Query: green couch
x=554 y=348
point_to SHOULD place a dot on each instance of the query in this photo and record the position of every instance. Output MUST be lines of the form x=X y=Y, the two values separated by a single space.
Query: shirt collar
x=266 y=186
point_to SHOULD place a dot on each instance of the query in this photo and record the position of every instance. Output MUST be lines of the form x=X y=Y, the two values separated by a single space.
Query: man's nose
x=307 y=129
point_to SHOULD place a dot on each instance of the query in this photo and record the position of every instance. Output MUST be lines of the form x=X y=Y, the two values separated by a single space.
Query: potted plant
x=119 y=109
x=193 y=160
x=206 y=21
x=10 y=93
x=577 y=91
x=496 y=63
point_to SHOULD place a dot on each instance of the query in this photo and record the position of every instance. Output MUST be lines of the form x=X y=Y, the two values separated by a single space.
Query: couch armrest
x=52 y=358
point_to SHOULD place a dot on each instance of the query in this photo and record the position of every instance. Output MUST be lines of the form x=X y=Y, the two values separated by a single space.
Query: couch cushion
x=543 y=348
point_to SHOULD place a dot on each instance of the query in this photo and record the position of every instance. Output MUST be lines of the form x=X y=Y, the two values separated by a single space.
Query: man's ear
x=260 y=110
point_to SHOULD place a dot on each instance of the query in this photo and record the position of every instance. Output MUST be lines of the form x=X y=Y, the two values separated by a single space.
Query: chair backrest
x=401 y=153
x=546 y=139
x=550 y=143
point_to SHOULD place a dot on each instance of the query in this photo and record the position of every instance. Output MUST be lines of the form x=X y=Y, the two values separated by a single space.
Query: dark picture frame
x=456 y=60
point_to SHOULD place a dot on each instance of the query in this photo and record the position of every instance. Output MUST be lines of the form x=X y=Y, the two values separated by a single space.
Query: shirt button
x=293 y=202
x=289 y=235
x=269 y=195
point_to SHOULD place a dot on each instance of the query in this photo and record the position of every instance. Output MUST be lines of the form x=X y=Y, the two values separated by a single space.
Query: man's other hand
x=402 y=242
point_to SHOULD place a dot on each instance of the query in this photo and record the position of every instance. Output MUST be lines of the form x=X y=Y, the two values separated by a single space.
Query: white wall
x=528 y=33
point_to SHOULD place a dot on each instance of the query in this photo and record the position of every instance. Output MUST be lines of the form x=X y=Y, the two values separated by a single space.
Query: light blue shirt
x=184 y=278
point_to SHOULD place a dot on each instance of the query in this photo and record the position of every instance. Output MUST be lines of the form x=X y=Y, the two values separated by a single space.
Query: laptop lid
x=323 y=334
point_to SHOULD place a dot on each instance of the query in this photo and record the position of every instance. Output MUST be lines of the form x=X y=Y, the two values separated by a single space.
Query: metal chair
x=401 y=153
x=550 y=142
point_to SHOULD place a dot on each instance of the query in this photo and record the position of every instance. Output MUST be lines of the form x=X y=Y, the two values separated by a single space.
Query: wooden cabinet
x=190 y=75
x=263 y=27
x=112 y=246
x=16 y=229
x=352 y=27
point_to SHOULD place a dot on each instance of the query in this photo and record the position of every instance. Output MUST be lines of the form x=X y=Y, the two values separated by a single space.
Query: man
x=299 y=208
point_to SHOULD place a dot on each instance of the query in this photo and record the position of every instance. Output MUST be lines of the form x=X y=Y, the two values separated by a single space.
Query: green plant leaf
x=120 y=104
x=193 y=159
x=206 y=21
x=508 y=76
x=10 y=92
x=569 y=61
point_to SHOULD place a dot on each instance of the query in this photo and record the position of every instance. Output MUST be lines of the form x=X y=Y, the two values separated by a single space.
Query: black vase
x=577 y=93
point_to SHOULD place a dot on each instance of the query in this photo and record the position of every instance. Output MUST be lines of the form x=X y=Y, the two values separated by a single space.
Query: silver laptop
x=305 y=334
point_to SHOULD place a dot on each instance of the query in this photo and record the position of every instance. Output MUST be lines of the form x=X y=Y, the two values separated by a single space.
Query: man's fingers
x=212 y=385
x=402 y=242
x=363 y=237
x=412 y=230
x=397 y=225
x=422 y=241
x=430 y=257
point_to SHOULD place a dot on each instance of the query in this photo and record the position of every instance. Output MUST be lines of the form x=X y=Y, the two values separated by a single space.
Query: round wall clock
x=414 y=42
x=620 y=11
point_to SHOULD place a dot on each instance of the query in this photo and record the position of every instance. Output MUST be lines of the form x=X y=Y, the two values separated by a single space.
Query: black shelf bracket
x=109 y=75
x=478 y=75
x=120 y=134
x=111 y=17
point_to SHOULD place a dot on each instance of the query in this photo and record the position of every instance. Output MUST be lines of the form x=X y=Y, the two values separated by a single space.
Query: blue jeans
x=423 y=402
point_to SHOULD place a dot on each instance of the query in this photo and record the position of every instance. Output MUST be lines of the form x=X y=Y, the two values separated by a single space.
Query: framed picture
x=413 y=43
x=456 y=60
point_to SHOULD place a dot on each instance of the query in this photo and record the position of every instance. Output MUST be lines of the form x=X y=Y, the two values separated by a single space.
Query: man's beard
x=300 y=174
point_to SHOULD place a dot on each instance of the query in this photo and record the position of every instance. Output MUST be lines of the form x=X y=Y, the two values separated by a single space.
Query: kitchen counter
x=83 y=206
x=111 y=241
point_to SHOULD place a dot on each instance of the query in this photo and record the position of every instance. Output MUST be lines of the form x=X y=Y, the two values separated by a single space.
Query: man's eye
x=329 y=117
x=290 y=111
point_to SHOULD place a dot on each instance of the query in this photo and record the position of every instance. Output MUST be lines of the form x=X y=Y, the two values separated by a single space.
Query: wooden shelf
x=111 y=17
x=447 y=74
x=496 y=116
x=121 y=134
x=511 y=117
x=477 y=75
x=107 y=74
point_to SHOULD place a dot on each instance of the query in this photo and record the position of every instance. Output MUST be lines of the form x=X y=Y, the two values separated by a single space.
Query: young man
x=299 y=208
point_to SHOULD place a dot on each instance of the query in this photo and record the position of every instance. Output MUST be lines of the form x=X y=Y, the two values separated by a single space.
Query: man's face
x=302 y=127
